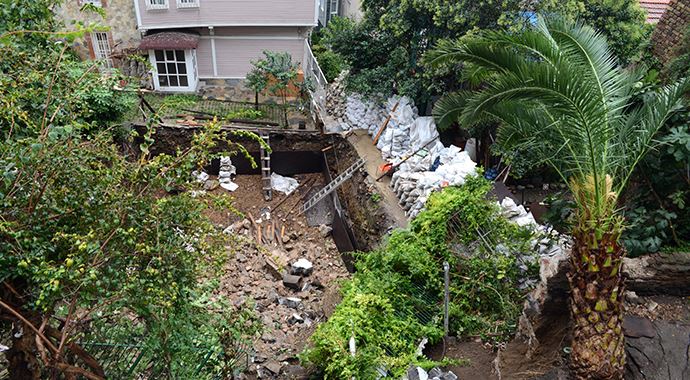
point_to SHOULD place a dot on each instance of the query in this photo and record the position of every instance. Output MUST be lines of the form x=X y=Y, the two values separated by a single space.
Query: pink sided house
x=196 y=44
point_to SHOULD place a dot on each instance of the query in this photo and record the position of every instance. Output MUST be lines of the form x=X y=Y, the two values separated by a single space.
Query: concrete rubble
x=255 y=276
x=418 y=373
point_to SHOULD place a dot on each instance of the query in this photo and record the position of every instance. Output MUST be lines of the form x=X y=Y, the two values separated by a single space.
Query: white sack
x=285 y=185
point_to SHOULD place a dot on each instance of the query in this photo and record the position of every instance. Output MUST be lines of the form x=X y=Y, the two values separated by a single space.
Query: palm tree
x=557 y=90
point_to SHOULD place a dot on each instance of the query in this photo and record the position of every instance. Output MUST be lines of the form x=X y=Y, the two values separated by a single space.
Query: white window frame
x=187 y=4
x=333 y=8
x=192 y=76
x=102 y=51
x=154 y=5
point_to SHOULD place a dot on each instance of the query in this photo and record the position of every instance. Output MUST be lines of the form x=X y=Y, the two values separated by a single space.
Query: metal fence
x=180 y=106
x=132 y=361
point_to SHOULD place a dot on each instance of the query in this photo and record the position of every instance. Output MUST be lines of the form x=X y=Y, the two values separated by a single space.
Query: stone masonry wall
x=120 y=17
x=670 y=30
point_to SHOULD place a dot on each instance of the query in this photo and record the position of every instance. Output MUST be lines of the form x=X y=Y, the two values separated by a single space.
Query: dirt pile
x=275 y=277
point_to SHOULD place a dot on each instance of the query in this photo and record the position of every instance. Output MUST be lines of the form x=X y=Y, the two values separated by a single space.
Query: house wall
x=236 y=48
x=120 y=17
x=229 y=13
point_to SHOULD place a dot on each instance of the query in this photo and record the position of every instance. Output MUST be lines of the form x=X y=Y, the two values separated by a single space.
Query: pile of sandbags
x=363 y=114
x=226 y=173
x=414 y=183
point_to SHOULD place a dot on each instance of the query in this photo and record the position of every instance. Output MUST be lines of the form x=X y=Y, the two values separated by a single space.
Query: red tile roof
x=654 y=8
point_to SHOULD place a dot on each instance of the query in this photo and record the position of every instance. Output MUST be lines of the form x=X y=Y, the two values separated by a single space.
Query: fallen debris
x=285 y=185
x=302 y=267
x=292 y=281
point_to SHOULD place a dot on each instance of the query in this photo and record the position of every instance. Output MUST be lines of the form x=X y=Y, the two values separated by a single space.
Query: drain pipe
x=446 y=296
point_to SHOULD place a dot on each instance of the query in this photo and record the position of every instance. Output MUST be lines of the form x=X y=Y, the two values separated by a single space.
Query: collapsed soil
x=247 y=278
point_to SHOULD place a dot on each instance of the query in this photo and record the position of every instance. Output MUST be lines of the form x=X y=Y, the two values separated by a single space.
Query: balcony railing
x=312 y=70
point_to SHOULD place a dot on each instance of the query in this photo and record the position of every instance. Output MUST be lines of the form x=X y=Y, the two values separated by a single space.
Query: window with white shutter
x=101 y=48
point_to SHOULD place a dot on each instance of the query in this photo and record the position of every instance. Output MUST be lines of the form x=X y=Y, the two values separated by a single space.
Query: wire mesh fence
x=133 y=361
x=181 y=106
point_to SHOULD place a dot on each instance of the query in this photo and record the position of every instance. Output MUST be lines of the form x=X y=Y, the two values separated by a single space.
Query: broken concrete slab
x=292 y=282
x=302 y=267
x=295 y=318
x=291 y=302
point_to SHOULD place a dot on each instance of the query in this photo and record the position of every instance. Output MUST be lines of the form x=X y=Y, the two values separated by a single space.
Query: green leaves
x=556 y=90
x=382 y=303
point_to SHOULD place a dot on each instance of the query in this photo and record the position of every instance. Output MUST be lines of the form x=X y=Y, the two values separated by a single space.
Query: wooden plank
x=392 y=168
x=385 y=124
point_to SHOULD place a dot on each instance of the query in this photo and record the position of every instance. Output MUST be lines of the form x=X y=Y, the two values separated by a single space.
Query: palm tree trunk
x=598 y=348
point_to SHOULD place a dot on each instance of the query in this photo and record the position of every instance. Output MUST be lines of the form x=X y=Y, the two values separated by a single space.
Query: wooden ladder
x=334 y=184
x=266 y=167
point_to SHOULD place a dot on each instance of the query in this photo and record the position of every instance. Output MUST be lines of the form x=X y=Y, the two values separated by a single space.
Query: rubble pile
x=335 y=97
x=418 y=373
x=289 y=286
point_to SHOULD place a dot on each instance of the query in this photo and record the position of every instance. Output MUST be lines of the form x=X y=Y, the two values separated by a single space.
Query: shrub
x=393 y=300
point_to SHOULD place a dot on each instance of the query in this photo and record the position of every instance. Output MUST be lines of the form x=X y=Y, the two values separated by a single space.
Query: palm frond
x=636 y=133
x=447 y=110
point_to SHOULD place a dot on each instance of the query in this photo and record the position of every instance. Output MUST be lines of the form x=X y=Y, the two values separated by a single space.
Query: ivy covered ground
x=394 y=299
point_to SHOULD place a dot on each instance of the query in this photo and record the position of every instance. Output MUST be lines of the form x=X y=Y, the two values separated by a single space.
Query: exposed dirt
x=370 y=206
x=249 y=279
x=476 y=359
x=666 y=308
x=366 y=149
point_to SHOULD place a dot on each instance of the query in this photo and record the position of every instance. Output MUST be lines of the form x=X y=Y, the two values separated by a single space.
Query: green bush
x=246 y=113
x=331 y=63
x=381 y=304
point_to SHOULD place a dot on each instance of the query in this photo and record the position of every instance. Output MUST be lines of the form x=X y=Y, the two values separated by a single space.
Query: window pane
x=159 y=55
x=163 y=80
x=183 y=81
x=173 y=81
x=161 y=68
x=172 y=69
x=170 y=55
x=180 y=55
x=182 y=68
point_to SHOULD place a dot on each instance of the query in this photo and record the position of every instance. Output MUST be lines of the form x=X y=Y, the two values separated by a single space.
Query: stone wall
x=670 y=30
x=120 y=17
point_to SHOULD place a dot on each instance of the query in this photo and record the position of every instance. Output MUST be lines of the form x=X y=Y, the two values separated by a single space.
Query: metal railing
x=313 y=72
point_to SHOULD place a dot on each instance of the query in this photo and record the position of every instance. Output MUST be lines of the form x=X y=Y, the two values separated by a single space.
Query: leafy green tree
x=275 y=73
x=41 y=77
x=92 y=243
x=621 y=21
x=557 y=90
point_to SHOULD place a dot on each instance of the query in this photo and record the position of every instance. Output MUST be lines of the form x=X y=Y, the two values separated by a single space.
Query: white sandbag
x=229 y=186
x=422 y=131
x=471 y=148
x=447 y=154
x=285 y=185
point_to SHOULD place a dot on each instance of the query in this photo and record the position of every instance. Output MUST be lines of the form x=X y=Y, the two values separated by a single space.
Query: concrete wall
x=120 y=17
x=670 y=30
x=229 y=13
